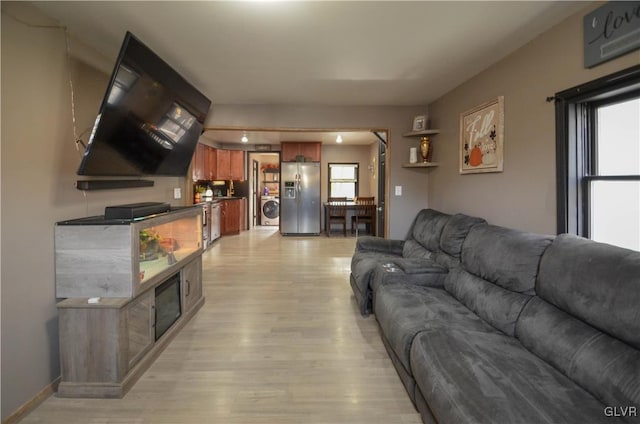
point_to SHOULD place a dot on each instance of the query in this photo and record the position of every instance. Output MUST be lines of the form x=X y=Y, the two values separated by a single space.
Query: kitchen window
x=598 y=159
x=343 y=180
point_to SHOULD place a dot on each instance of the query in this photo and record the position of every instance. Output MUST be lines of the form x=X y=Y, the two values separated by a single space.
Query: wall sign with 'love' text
x=610 y=31
x=482 y=138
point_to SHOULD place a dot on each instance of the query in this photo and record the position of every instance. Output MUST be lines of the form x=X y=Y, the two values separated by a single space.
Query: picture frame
x=419 y=123
x=482 y=138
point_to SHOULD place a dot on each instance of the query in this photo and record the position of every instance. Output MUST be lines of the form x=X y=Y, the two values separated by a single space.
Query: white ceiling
x=315 y=52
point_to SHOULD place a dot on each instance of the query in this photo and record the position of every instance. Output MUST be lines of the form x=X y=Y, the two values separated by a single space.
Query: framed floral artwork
x=482 y=138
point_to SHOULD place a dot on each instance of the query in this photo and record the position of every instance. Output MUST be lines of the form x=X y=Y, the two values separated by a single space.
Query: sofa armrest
x=410 y=271
x=380 y=245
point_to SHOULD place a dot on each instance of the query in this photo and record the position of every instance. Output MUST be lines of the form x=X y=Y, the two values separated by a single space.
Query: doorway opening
x=368 y=147
x=264 y=195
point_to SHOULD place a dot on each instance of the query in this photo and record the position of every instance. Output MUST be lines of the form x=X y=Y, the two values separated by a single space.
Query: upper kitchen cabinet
x=211 y=164
x=290 y=150
x=198 y=172
x=229 y=165
x=237 y=165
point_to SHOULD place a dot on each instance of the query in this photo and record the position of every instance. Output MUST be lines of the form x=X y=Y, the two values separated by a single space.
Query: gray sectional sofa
x=486 y=324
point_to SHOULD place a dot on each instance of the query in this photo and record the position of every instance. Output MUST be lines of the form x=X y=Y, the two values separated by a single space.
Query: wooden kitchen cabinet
x=230 y=217
x=236 y=164
x=198 y=169
x=243 y=214
x=289 y=150
x=229 y=165
x=211 y=164
x=222 y=164
x=204 y=163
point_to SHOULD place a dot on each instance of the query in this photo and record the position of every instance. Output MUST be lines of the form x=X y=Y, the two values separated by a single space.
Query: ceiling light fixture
x=244 y=138
x=339 y=139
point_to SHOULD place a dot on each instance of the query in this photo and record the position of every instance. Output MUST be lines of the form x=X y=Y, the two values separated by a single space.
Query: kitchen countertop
x=219 y=198
x=227 y=198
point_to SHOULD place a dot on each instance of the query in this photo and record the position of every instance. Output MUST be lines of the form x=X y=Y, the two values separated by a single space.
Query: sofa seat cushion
x=404 y=310
x=423 y=272
x=467 y=376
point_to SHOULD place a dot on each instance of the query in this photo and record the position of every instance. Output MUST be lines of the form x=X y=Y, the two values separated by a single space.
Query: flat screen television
x=149 y=121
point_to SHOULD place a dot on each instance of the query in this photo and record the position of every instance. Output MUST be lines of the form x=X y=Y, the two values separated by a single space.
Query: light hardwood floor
x=279 y=340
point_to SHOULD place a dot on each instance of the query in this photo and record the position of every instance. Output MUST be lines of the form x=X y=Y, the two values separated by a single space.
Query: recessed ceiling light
x=339 y=139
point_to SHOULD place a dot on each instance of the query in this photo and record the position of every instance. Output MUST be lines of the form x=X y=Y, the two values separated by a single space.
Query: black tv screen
x=149 y=121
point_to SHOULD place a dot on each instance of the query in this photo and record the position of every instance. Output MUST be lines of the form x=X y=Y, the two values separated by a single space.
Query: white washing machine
x=270 y=206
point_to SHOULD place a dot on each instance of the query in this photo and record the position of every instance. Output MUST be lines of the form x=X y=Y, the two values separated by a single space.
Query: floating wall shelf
x=420 y=133
x=420 y=165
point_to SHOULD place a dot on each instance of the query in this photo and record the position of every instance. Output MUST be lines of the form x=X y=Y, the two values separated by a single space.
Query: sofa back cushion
x=455 y=232
x=595 y=282
x=585 y=319
x=497 y=274
x=427 y=228
x=503 y=256
x=414 y=250
x=497 y=306
x=604 y=366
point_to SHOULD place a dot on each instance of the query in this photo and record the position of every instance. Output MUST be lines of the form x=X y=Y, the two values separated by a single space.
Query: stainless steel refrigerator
x=300 y=198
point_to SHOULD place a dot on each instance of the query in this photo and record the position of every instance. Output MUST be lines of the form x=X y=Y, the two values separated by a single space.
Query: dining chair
x=365 y=210
x=337 y=213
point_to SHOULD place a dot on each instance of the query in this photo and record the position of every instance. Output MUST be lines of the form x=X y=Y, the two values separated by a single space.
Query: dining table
x=351 y=209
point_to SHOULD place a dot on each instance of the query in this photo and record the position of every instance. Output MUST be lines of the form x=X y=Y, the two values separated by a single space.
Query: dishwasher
x=215 y=222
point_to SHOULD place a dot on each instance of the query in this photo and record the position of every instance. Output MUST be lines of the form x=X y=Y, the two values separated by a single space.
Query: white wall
x=38 y=166
x=524 y=195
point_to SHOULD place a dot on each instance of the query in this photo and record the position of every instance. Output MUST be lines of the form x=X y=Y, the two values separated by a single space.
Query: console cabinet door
x=140 y=315
x=191 y=284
